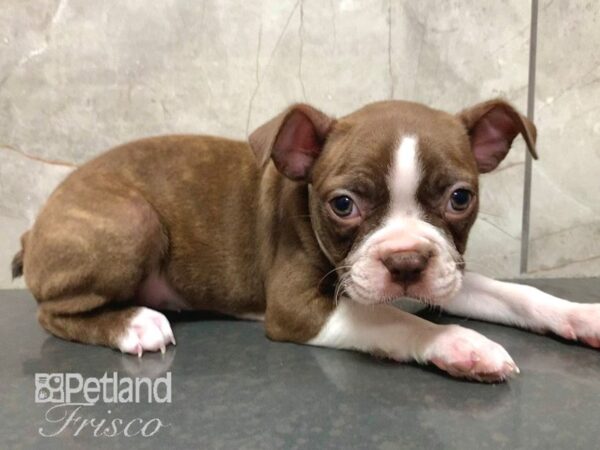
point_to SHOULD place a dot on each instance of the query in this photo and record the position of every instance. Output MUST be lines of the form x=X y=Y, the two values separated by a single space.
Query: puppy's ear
x=294 y=139
x=492 y=126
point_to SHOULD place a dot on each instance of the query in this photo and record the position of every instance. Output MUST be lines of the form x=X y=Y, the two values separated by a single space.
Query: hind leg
x=131 y=329
x=84 y=261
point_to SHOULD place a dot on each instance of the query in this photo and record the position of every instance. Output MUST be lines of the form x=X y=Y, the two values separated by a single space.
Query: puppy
x=315 y=225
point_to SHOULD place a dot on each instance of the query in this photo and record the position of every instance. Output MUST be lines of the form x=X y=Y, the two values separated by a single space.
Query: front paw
x=465 y=353
x=582 y=322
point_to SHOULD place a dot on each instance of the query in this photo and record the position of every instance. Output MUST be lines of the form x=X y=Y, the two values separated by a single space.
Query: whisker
x=339 y=288
x=335 y=269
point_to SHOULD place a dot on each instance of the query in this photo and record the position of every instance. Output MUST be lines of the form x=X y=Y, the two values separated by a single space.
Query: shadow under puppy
x=313 y=226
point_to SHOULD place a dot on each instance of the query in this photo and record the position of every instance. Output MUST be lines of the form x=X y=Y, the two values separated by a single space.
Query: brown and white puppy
x=315 y=226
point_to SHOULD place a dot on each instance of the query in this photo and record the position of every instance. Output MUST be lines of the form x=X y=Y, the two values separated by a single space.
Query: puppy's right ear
x=294 y=140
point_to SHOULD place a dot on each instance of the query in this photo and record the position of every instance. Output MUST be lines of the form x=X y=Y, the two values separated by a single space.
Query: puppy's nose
x=406 y=266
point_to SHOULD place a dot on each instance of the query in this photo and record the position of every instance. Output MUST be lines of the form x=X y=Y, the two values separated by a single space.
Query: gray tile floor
x=233 y=389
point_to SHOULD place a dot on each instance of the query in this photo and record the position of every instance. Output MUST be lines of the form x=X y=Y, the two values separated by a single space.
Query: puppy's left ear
x=492 y=126
x=294 y=140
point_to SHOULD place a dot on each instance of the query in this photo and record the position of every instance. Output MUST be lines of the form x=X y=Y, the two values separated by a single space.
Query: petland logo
x=71 y=394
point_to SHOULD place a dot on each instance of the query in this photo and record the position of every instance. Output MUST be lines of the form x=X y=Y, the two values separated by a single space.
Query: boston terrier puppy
x=315 y=225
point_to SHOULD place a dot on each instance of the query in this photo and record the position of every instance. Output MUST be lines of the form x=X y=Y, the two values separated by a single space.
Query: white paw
x=147 y=330
x=465 y=353
x=582 y=322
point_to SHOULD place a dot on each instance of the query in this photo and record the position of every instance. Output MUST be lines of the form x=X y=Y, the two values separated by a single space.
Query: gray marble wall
x=79 y=76
x=566 y=181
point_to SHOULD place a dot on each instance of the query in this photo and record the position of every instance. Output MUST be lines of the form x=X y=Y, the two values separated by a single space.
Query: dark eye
x=460 y=199
x=343 y=206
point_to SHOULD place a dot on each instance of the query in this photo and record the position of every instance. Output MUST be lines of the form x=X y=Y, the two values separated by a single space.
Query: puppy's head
x=393 y=188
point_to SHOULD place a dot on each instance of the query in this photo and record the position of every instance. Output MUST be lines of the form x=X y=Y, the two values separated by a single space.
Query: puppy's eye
x=343 y=206
x=460 y=200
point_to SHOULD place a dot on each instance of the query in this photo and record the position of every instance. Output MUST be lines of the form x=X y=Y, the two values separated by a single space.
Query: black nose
x=406 y=267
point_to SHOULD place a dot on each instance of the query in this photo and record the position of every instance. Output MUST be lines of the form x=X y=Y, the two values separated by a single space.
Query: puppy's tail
x=17 y=262
x=17 y=265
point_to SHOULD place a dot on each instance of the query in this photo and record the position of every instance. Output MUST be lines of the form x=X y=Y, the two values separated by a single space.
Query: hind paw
x=148 y=330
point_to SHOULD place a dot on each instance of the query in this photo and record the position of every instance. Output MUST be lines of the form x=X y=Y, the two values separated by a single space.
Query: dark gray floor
x=232 y=389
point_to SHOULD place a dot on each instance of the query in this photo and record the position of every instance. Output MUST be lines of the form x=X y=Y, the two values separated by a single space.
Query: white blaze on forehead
x=404 y=178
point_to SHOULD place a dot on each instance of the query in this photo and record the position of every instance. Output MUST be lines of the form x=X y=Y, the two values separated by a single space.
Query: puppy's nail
x=594 y=342
x=512 y=369
x=569 y=333
x=163 y=349
x=173 y=339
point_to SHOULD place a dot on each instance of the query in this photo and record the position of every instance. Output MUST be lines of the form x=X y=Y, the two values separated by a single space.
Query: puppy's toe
x=581 y=322
x=592 y=341
x=148 y=330
x=464 y=353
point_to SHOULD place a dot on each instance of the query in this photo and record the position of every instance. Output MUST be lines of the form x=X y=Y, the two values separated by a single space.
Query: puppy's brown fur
x=151 y=205
x=202 y=213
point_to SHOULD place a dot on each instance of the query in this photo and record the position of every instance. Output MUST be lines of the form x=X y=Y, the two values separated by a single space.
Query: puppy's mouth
x=428 y=295
x=370 y=282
